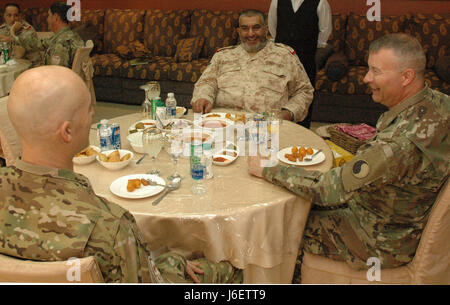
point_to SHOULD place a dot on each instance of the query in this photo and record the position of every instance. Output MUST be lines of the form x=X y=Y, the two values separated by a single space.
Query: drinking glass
x=152 y=140
x=154 y=90
x=174 y=147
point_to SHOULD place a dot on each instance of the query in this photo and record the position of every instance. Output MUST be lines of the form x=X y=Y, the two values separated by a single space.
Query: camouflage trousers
x=172 y=267
x=322 y=237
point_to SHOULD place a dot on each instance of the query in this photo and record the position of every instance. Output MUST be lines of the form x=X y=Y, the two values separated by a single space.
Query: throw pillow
x=336 y=66
x=322 y=55
x=135 y=49
x=442 y=68
x=189 y=49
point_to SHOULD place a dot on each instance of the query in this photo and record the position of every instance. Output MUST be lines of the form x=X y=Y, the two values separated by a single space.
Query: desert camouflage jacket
x=271 y=78
x=382 y=198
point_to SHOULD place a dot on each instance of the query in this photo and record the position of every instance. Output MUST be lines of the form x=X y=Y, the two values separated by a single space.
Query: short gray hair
x=252 y=13
x=407 y=49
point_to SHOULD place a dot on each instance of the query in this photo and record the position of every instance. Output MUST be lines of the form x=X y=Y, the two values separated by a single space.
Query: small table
x=8 y=77
x=255 y=225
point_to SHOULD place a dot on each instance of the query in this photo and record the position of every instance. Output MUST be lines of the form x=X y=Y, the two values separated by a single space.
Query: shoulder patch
x=364 y=168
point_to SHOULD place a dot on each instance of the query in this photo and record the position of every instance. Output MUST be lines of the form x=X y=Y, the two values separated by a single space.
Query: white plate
x=119 y=187
x=148 y=121
x=230 y=148
x=214 y=115
x=86 y=159
x=316 y=160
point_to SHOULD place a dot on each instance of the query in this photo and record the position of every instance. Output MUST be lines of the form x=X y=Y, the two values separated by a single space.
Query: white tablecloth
x=7 y=77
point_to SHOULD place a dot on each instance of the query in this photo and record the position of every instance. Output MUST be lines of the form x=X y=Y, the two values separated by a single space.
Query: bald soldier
x=60 y=48
x=50 y=213
x=377 y=205
x=255 y=76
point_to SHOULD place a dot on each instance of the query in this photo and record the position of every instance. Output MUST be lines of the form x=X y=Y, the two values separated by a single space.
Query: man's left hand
x=192 y=269
x=287 y=115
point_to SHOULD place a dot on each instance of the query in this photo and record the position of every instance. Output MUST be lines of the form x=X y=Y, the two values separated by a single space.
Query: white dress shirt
x=323 y=12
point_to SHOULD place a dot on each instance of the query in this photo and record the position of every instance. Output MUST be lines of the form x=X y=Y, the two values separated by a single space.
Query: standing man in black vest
x=304 y=25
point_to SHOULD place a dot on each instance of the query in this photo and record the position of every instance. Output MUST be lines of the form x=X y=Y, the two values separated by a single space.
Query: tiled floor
x=105 y=110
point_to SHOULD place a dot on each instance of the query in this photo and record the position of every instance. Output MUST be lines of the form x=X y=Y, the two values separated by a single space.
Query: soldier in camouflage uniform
x=60 y=48
x=11 y=16
x=255 y=76
x=50 y=213
x=378 y=204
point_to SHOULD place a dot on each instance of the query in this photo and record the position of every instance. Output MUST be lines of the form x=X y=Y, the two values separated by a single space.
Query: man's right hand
x=202 y=105
x=16 y=26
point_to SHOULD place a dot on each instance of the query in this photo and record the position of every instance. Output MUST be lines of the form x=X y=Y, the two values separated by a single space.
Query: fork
x=307 y=159
x=154 y=183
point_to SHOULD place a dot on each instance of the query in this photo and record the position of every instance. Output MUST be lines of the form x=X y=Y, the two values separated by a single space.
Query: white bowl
x=116 y=165
x=81 y=160
x=135 y=140
x=147 y=123
x=180 y=111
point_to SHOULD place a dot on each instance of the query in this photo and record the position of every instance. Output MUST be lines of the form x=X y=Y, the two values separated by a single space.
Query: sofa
x=176 y=46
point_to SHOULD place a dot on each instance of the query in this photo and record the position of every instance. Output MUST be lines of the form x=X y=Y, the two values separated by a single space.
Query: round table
x=255 y=225
x=12 y=72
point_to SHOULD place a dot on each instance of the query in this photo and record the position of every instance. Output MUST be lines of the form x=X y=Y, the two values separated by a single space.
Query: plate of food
x=115 y=159
x=136 y=186
x=141 y=125
x=297 y=155
x=175 y=124
x=86 y=156
x=227 y=155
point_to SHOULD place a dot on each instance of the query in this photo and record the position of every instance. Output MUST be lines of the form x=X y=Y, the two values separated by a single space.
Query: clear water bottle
x=197 y=161
x=208 y=155
x=105 y=135
x=171 y=106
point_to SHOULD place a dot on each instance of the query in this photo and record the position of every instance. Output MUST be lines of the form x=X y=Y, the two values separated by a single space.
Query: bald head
x=44 y=100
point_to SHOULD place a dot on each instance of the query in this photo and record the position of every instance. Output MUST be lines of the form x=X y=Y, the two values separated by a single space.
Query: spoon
x=310 y=158
x=142 y=158
x=173 y=185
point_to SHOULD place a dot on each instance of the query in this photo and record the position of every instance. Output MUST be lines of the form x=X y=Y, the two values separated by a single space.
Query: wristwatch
x=291 y=113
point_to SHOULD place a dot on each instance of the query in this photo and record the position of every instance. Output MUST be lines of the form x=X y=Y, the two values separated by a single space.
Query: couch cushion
x=37 y=17
x=188 y=71
x=156 y=70
x=433 y=33
x=360 y=33
x=163 y=30
x=352 y=83
x=92 y=24
x=122 y=27
x=189 y=49
x=436 y=83
x=217 y=27
x=107 y=64
x=337 y=36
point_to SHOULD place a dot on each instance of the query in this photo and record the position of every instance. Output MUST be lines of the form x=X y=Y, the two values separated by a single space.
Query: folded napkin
x=361 y=131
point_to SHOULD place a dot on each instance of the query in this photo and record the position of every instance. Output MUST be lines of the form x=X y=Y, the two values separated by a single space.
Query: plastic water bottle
x=208 y=155
x=197 y=161
x=105 y=135
x=171 y=106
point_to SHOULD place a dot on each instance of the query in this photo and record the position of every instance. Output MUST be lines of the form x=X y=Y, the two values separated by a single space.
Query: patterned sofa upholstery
x=161 y=31
x=348 y=98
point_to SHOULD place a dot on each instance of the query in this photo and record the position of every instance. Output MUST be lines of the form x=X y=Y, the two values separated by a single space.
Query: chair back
x=82 y=65
x=77 y=270
x=430 y=265
x=10 y=145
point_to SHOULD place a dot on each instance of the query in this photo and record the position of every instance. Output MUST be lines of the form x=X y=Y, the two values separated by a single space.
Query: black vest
x=300 y=31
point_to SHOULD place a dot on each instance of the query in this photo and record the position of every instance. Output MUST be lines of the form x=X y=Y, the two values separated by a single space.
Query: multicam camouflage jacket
x=271 y=78
x=378 y=204
x=51 y=215
x=27 y=32
x=58 y=50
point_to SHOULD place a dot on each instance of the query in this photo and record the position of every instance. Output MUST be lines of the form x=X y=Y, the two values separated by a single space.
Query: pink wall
x=388 y=7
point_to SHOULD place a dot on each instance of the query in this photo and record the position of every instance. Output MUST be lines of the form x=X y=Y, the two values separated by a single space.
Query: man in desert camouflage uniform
x=11 y=16
x=377 y=205
x=60 y=48
x=255 y=76
x=50 y=213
